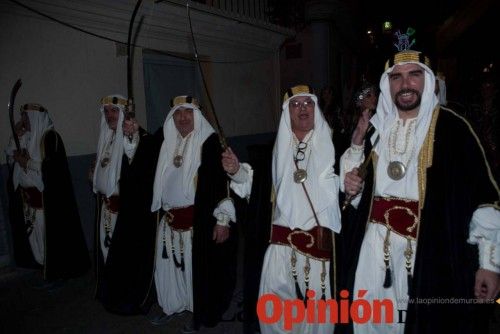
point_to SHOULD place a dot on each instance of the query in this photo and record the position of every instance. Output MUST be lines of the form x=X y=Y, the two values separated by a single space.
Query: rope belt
x=33 y=197
x=180 y=220
x=312 y=244
x=400 y=214
x=402 y=217
x=304 y=242
x=112 y=203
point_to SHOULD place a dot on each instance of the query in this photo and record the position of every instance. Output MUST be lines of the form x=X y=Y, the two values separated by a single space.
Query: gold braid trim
x=425 y=158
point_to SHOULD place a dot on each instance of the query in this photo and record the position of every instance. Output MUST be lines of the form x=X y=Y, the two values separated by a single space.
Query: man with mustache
x=427 y=224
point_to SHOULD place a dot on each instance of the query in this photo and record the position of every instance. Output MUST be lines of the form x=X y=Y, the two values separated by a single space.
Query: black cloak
x=66 y=254
x=124 y=281
x=214 y=265
x=457 y=182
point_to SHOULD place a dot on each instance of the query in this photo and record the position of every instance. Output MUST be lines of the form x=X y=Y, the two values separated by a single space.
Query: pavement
x=71 y=308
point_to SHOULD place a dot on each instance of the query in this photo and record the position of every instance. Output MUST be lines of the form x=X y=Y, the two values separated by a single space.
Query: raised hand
x=230 y=162
x=130 y=126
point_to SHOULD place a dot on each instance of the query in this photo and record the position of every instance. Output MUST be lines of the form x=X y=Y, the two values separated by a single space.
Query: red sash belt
x=112 y=203
x=33 y=197
x=400 y=214
x=181 y=219
x=303 y=241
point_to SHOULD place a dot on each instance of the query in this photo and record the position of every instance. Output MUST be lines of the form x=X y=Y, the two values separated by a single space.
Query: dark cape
x=124 y=281
x=214 y=265
x=66 y=254
x=256 y=230
x=456 y=184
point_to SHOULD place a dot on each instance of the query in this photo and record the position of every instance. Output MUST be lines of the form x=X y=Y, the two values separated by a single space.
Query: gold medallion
x=178 y=161
x=300 y=175
x=105 y=162
x=396 y=170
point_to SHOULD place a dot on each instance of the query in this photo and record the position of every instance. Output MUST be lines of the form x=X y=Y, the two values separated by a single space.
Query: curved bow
x=13 y=94
x=220 y=132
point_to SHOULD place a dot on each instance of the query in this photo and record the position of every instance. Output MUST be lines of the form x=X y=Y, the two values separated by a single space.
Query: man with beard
x=123 y=181
x=427 y=224
x=45 y=222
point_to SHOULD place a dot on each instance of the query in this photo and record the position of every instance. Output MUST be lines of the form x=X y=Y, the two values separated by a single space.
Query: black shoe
x=55 y=285
x=189 y=328
x=162 y=319
x=48 y=285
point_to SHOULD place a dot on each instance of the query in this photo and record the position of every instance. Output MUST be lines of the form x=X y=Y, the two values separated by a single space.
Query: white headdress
x=292 y=207
x=192 y=154
x=110 y=147
x=40 y=122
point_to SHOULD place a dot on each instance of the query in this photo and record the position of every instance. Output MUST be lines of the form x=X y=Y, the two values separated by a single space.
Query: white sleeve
x=129 y=147
x=241 y=182
x=35 y=166
x=225 y=212
x=352 y=158
x=484 y=231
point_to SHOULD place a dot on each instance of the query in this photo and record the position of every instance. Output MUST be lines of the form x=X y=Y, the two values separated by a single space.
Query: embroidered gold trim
x=492 y=257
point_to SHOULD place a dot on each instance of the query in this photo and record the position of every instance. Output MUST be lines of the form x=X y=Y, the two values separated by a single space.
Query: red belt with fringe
x=112 y=203
x=400 y=214
x=181 y=218
x=33 y=197
x=302 y=241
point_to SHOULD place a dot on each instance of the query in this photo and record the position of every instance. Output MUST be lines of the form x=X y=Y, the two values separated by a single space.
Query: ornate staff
x=13 y=94
x=362 y=170
x=220 y=132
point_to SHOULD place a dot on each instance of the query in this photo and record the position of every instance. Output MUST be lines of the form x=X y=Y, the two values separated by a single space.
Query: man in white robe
x=294 y=263
x=186 y=135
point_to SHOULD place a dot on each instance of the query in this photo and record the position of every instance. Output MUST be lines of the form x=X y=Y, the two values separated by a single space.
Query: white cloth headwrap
x=292 y=207
x=40 y=122
x=384 y=118
x=192 y=154
x=106 y=178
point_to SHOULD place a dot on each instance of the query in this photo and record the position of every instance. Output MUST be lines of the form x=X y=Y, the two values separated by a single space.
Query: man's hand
x=221 y=233
x=230 y=162
x=130 y=126
x=21 y=157
x=353 y=183
x=363 y=122
x=487 y=284
x=20 y=129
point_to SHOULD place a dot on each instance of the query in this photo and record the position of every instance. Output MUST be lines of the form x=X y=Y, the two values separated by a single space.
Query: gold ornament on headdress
x=113 y=100
x=299 y=89
x=184 y=99
x=33 y=106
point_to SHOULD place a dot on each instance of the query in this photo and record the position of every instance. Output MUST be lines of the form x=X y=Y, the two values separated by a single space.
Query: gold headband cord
x=113 y=100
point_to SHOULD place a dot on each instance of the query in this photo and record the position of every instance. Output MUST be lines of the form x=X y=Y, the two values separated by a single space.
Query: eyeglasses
x=301 y=151
x=305 y=104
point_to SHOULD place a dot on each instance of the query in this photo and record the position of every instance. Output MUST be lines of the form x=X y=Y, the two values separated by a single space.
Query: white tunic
x=370 y=271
